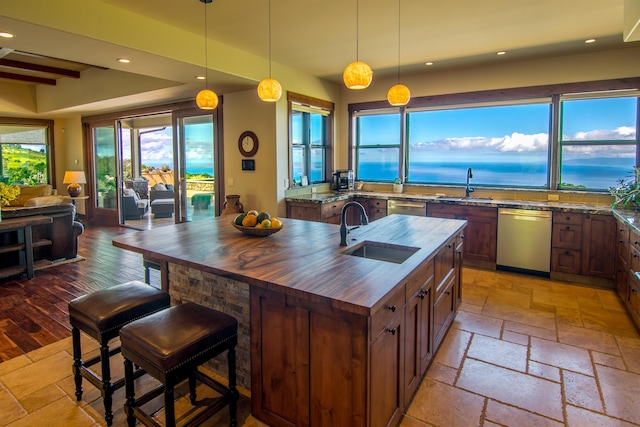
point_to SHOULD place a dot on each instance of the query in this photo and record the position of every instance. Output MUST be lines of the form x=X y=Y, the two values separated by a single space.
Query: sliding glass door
x=197 y=170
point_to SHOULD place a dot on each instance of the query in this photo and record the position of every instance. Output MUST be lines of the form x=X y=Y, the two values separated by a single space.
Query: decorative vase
x=232 y=205
x=397 y=188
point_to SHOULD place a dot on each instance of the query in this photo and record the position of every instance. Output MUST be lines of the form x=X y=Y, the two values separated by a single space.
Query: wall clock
x=248 y=144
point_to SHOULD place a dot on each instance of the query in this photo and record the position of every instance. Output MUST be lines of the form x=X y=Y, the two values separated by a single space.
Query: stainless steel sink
x=382 y=251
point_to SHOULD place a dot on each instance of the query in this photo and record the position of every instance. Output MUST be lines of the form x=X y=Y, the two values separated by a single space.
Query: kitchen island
x=326 y=338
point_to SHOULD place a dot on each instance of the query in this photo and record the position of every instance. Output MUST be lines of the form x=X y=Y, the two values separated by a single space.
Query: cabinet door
x=387 y=388
x=425 y=342
x=458 y=269
x=481 y=237
x=445 y=263
x=633 y=304
x=418 y=346
x=331 y=212
x=567 y=236
x=598 y=246
x=306 y=211
x=280 y=335
x=443 y=313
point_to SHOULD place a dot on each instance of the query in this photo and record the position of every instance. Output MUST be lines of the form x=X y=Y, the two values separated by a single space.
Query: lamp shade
x=398 y=95
x=74 y=177
x=357 y=75
x=269 y=90
x=207 y=99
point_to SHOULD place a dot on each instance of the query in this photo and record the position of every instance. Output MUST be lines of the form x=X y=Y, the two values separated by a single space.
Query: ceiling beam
x=30 y=79
x=37 y=67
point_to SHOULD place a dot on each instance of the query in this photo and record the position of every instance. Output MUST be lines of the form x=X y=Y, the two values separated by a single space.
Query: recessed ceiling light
x=200 y=77
x=6 y=35
x=428 y=63
x=124 y=60
x=590 y=41
x=502 y=52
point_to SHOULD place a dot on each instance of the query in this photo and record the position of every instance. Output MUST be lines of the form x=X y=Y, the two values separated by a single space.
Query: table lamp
x=74 y=179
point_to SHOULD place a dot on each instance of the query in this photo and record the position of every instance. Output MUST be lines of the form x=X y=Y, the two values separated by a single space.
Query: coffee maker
x=343 y=180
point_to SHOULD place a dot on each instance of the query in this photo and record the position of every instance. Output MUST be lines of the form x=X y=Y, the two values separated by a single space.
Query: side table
x=74 y=199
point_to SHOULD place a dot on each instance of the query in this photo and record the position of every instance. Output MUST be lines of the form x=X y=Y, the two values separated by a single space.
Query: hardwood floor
x=33 y=313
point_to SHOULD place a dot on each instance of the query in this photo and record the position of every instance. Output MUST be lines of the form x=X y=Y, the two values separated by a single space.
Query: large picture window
x=311 y=138
x=519 y=138
x=25 y=151
x=598 y=141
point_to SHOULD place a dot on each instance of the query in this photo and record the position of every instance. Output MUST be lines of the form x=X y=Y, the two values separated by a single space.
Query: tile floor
x=522 y=352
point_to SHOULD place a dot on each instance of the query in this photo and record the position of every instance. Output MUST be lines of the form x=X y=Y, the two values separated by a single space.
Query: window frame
x=49 y=131
x=307 y=102
x=495 y=97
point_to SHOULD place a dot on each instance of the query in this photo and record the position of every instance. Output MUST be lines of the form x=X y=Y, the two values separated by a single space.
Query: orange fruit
x=275 y=223
x=249 y=221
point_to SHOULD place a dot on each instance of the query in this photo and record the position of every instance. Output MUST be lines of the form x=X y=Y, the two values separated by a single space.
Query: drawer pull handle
x=449 y=246
x=634 y=290
x=424 y=294
x=392 y=330
x=568 y=228
x=635 y=255
x=392 y=308
x=568 y=218
x=448 y=292
x=566 y=252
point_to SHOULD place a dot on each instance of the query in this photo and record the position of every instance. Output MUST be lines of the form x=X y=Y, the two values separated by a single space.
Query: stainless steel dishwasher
x=524 y=240
x=406 y=207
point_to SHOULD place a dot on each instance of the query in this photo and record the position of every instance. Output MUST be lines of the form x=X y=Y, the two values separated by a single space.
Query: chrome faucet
x=467 y=188
x=343 y=221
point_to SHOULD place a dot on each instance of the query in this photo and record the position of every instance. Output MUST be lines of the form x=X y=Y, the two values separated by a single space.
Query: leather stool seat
x=100 y=315
x=170 y=346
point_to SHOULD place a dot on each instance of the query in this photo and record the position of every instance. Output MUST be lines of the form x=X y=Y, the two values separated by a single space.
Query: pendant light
x=399 y=94
x=206 y=98
x=357 y=75
x=269 y=90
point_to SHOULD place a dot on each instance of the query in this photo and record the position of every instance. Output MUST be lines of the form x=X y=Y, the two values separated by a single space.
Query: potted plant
x=627 y=192
x=397 y=185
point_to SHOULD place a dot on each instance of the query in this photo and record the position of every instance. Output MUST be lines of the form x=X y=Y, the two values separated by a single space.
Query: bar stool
x=100 y=315
x=170 y=346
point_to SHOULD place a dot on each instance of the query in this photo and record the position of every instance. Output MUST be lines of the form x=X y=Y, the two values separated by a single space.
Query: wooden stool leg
x=169 y=409
x=107 y=387
x=192 y=387
x=77 y=361
x=233 y=391
x=129 y=393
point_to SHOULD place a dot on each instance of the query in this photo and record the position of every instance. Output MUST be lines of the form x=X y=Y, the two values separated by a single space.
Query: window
x=378 y=146
x=505 y=145
x=547 y=137
x=311 y=137
x=25 y=151
x=598 y=141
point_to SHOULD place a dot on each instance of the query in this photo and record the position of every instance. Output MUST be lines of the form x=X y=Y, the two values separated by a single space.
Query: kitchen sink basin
x=382 y=251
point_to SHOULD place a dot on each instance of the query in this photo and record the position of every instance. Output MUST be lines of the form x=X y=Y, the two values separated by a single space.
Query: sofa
x=63 y=233
x=161 y=199
x=37 y=195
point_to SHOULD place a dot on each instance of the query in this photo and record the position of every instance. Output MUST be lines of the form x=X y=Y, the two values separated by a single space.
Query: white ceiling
x=319 y=37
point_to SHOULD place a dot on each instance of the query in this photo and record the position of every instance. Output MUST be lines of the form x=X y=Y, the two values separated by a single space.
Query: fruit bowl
x=260 y=232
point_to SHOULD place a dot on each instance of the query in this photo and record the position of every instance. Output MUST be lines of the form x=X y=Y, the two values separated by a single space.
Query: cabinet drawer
x=378 y=204
x=331 y=211
x=567 y=236
x=634 y=240
x=623 y=233
x=422 y=275
x=387 y=311
x=439 y=209
x=634 y=259
x=565 y=261
x=567 y=218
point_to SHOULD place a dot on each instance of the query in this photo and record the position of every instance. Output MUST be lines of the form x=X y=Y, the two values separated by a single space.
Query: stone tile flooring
x=522 y=351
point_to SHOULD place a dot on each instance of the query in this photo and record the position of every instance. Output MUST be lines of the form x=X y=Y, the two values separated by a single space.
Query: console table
x=24 y=243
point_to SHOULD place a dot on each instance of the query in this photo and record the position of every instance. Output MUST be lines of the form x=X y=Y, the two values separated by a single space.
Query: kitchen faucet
x=343 y=221
x=467 y=188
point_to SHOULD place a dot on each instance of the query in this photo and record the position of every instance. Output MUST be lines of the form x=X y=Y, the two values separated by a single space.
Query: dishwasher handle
x=527 y=215
x=407 y=205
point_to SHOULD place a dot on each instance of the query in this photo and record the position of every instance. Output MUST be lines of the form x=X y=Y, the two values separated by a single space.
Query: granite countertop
x=631 y=217
x=303 y=260
x=332 y=196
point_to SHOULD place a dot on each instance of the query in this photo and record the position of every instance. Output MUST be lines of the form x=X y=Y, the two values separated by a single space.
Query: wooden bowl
x=259 y=232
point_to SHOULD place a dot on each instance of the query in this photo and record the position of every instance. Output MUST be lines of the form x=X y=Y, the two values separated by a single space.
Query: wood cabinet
x=376 y=208
x=582 y=244
x=622 y=260
x=322 y=212
x=627 y=265
x=481 y=234
x=346 y=369
x=18 y=242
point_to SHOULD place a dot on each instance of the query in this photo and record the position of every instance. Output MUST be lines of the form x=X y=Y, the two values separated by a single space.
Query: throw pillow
x=160 y=187
x=170 y=187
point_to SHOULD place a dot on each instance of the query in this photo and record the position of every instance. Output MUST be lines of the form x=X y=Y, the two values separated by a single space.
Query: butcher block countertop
x=303 y=259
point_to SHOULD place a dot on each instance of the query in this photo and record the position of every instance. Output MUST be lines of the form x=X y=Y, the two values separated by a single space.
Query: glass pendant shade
x=399 y=95
x=207 y=99
x=357 y=75
x=269 y=90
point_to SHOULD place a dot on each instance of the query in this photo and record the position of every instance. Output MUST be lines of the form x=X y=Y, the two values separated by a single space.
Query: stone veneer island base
x=326 y=338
